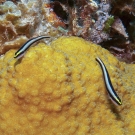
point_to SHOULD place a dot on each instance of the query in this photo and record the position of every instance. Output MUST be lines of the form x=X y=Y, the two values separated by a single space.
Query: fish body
x=113 y=95
x=25 y=46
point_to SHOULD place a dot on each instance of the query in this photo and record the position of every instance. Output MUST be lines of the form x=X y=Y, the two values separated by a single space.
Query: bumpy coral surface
x=60 y=90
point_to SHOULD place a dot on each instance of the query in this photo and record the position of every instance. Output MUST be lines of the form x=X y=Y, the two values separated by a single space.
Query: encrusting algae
x=60 y=90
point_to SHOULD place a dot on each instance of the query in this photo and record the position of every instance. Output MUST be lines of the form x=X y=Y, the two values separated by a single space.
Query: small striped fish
x=113 y=95
x=25 y=46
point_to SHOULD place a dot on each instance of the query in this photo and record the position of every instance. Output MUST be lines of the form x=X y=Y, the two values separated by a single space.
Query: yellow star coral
x=60 y=90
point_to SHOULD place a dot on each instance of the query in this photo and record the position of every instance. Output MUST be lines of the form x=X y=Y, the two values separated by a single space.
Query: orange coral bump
x=60 y=90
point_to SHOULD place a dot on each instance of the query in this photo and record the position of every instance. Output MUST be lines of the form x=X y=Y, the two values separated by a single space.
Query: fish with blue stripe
x=25 y=46
x=113 y=95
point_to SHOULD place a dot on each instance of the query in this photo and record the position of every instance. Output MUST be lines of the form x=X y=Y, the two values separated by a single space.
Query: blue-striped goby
x=25 y=46
x=113 y=95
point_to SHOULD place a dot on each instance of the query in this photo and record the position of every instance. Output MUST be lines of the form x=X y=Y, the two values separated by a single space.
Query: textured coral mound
x=60 y=90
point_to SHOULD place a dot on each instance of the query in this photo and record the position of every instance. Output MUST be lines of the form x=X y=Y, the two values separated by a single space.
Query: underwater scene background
x=67 y=67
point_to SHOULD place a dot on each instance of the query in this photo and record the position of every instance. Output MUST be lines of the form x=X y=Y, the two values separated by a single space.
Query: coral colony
x=59 y=89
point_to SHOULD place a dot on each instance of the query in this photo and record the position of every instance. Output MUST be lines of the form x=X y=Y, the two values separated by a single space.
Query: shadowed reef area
x=108 y=23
